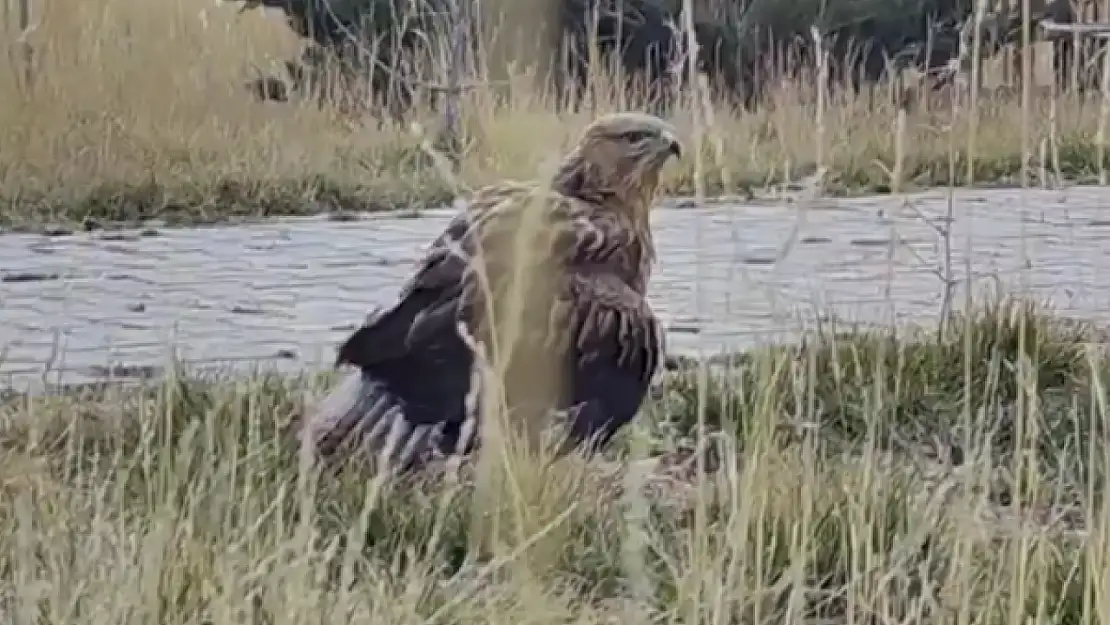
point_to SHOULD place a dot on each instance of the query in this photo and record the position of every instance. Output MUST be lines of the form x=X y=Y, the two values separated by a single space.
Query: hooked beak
x=671 y=145
x=676 y=148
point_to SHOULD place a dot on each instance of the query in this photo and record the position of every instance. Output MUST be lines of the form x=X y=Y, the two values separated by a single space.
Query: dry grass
x=187 y=503
x=139 y=111
x=839 y=499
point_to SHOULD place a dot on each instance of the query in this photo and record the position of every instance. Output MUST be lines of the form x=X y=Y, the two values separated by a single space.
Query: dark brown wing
x=414 y=348
x=430 y=295
x=618 y=345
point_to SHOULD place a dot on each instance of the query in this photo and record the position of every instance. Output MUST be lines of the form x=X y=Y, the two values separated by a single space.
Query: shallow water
x=285 y=292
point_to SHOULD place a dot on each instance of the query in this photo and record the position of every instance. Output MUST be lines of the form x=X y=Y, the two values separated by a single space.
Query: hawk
x=552 y=277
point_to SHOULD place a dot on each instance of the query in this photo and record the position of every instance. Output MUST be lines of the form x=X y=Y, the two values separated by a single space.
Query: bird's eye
x=636 y=136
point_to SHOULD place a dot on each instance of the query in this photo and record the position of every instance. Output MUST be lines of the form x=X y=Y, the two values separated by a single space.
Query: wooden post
x=1017 y=58
x=459 y=46
x=520 y=37
x=1101 y=48
x=23 y=54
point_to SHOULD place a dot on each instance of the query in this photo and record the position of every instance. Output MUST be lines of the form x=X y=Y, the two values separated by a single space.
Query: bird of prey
x=588 y=343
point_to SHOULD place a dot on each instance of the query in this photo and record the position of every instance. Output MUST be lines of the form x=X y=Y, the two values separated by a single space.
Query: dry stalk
x=822 y=91
x=26 y=51
x=895 y=185
x=1054 y=132
x=942 y=228
x=460 y=25
x=1103 y=114
x=976 y=39
x=1026 y=89
x=498 y=468
x=699 y=548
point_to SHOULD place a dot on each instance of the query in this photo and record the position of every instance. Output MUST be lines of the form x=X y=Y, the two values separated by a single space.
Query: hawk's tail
x=363 y=416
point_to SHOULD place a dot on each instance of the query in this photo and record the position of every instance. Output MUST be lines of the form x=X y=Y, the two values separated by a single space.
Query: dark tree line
x=644 y=40
x=742 y=47
x=358 y=51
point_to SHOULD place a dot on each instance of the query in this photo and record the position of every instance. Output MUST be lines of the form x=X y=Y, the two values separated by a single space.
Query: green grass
x=187 y=502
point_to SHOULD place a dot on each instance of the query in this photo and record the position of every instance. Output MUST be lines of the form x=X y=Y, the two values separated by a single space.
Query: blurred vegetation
x=740 y=40
x=349 y=39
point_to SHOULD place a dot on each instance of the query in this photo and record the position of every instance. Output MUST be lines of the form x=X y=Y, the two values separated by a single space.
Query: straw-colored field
x=869 y=480
x=139 y=110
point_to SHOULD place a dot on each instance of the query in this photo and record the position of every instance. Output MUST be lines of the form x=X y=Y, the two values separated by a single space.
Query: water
x=284 y=293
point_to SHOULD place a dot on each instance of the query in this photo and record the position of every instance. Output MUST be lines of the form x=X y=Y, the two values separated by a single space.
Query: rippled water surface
x=729 y=276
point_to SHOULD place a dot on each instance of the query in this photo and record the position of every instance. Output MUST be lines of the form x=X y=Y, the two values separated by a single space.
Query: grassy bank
x=138 y=111
x=918 y=479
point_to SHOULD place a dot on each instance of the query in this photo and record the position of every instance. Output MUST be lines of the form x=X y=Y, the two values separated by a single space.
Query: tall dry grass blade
x=508 y=486
x=1103 y=119
x=821 y=47
x=975 y=87
x=1027 y=79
